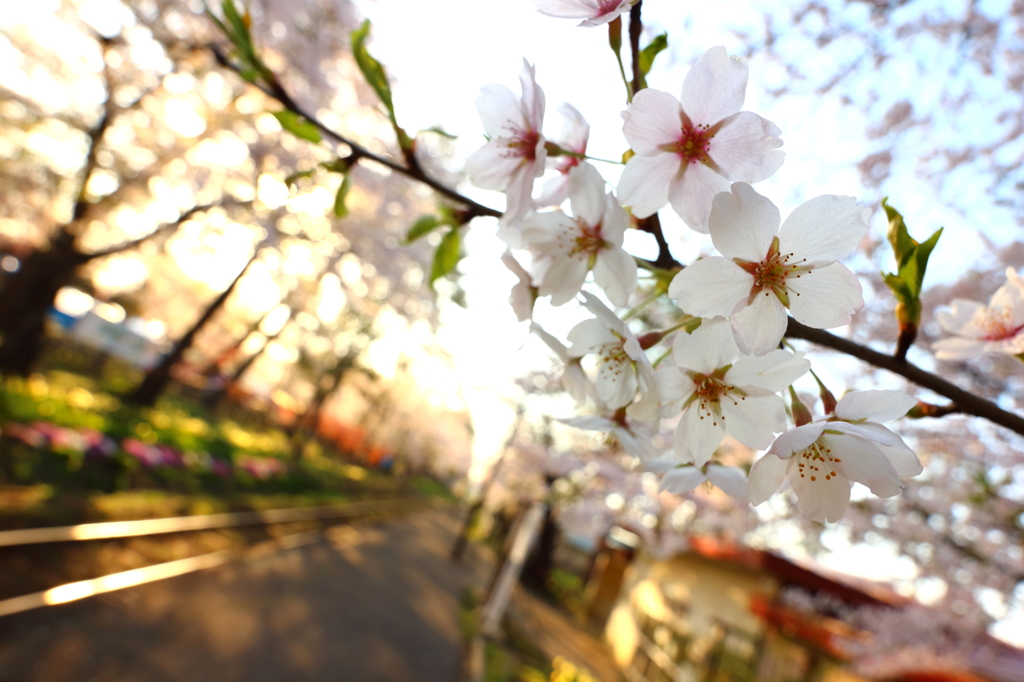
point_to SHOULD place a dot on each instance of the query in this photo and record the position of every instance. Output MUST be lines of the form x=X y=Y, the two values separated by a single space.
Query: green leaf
x=340 y=209
x=438 y=130
x=647 y=55
x=920 y=259
x=446 y=257
x=297 y=126
x=298 y=175
x=339 y=165
x=372 y=70
x=423 y=225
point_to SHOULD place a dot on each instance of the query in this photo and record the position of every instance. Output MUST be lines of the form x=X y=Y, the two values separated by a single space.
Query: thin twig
x=967 y=403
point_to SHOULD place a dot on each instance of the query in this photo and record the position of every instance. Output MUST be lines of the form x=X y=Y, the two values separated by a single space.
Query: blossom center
x=817 y=462
x=771 y=273
x=522 y=143
x=613 y=359
x=589 y=239
x=694 y=143
x=710 y=390
x=997 y=324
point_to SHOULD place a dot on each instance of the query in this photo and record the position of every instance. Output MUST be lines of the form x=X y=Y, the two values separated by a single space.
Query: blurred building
x=718 y=612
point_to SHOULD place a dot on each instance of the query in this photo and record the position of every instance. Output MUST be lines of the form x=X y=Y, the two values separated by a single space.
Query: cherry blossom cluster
x=727 y=371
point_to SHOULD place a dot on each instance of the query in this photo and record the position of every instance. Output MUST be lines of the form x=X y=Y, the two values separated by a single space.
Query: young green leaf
x=446 y=257
x=647 y=55
x=340 y=209
x=438 y=130
x=297 y=126
x=423 y=225
x=298 y=175
x=372 y=70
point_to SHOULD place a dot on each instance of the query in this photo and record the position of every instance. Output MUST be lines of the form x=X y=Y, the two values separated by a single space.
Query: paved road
x=372 y=604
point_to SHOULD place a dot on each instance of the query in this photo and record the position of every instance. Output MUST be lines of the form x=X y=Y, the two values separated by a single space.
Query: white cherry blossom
x=622 y=364
x=719 y=393
x=822 y=459
x=635 y=437
x=679 y=479
x=574 y=137
x=994 y=328
x=514 y=155
x=566 y=248
x=689 y=151
x=574 y=379
x=592 y=12
x=767 y=269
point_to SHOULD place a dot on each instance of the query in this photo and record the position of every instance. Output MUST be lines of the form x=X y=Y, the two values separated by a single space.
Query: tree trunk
x=157 y=379
x=27 y=298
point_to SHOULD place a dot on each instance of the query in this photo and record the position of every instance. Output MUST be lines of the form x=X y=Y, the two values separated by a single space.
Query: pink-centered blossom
x=690 y=150
x=994 y=328
x=821 y=460
x=514 y=155
x=622 y=364
x=565 y=248
x=574 y=136
x=719 y=393
x=767 y=269
x=592 y=12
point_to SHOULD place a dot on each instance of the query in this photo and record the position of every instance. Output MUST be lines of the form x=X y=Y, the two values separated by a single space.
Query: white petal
x=575 y=131
x=588 y=337
x=554 y=344
x=695 y=438
x=553 y=192
x=518 y=194
x=615 y=383
x=490 y=167
x=711 y=287
x=863 y=462
x=587 y=194
x=602 y=312
x=761 y=325
x=563 y=279
x=731 y=480
x=499 y=110
x=653 y=119
x=660 y=465
x=682 y=480
x=960 y=316
x=796 y=439
x=692 y=191
x=876 y=406
x=575 y=381
x=957 y=349
x=533 y=97
x=902 y=458
x=643 y=185
x=824 y=229
x=755 y=420
x=766 y=477
x=773 y=371
x=743 y=223
x=744 y=148
x=825 y=297
x=615 y=221
x=589 y=422
x=709 y=347
x=714 y=88
x=543 y=230
x=822 y=499
x=615 y=272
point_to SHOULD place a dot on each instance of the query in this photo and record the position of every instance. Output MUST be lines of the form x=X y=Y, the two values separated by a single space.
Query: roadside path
x=373 y=603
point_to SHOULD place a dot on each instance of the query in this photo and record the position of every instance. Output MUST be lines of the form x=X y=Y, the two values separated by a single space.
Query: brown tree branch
x=277 y=92
x=967 y=403
x=636 y=27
